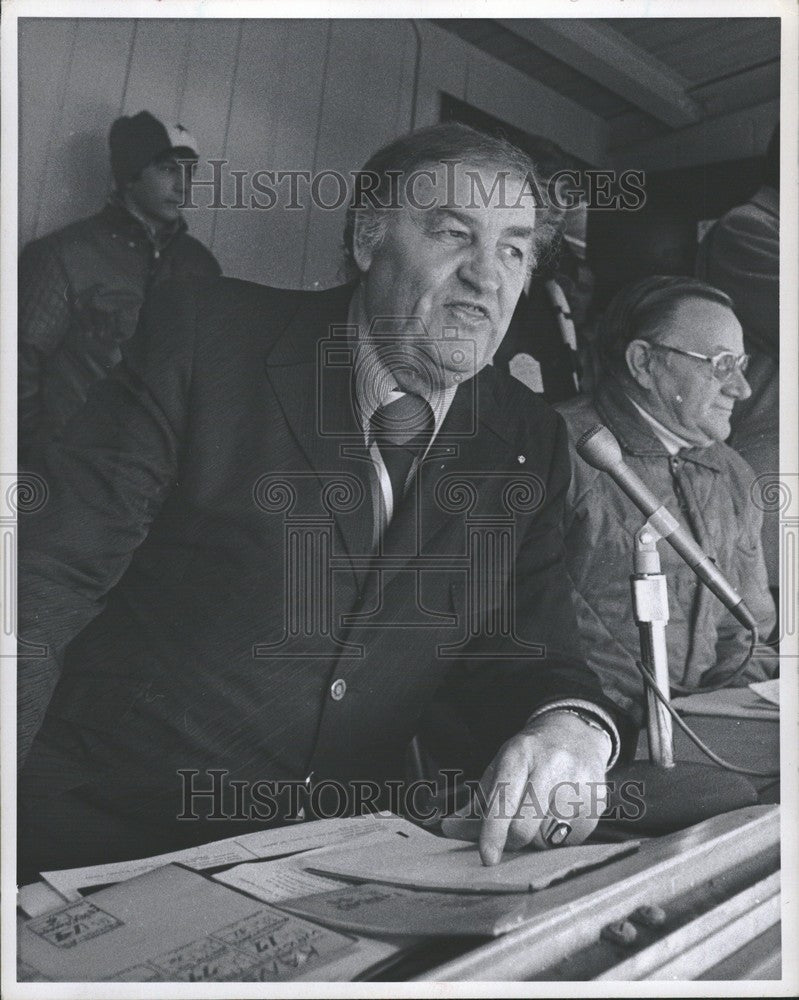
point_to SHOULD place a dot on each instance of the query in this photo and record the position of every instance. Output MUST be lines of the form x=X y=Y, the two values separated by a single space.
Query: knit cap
x=138 y=140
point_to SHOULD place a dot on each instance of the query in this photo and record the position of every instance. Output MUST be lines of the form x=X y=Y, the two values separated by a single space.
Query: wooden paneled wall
x=263 y=95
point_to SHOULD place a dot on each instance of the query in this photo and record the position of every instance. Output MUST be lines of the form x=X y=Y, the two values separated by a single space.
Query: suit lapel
x=309 y=369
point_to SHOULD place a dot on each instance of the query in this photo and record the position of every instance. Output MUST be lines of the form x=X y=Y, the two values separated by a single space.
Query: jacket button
x=338 y=689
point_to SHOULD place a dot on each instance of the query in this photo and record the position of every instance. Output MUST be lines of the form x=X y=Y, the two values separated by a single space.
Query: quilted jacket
x=708 y=489
x=80 y=292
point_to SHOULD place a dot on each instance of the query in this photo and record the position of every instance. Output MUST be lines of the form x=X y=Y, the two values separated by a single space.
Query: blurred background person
x=541 y=347
x=741 y=255
x=81 y=288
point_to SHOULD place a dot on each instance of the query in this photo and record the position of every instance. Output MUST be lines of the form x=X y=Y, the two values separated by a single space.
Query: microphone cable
x=728 y=681
x=652 y=684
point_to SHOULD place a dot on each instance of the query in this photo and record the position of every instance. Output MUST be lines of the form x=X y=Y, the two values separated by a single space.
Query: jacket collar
x=320 y=326
x=635 y=435
x=316 y=317
x=309 y=367
x=121 y=220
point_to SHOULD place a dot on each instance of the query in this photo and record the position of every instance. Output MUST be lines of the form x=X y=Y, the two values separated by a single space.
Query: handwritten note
x=287 y=878
x=274 y=881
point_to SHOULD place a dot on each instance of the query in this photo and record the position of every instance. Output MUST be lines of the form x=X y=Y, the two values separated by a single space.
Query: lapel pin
x=521 y=459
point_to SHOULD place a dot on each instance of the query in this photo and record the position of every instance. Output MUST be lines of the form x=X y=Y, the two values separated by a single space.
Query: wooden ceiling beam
x=735 y=136
x=615 y=62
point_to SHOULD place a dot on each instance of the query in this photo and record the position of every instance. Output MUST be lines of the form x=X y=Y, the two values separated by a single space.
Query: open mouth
x=468 y=310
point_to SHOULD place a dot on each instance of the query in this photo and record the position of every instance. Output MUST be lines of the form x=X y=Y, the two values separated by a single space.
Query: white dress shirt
x=671 y=442
x=375 y=386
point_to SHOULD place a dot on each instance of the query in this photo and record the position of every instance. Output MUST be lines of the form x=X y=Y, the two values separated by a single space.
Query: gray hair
x=376 y=182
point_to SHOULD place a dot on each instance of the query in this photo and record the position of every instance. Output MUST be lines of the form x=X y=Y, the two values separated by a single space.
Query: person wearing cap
x=81 y=288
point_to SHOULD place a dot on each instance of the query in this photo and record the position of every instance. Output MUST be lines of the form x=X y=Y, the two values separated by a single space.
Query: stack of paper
x=455 y=865
x=386 y=909
x=271 y=843
x=289 y=878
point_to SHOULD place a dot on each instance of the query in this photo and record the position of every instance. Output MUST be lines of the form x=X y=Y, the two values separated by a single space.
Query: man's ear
x=564 y=197
x=362 y=248
x=639 y=359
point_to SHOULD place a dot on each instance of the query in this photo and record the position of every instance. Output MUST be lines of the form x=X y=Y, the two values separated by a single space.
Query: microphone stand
x=651 y=611
x=673 y=795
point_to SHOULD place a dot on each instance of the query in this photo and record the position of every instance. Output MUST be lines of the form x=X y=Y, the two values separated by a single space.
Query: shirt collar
x=382 y=386
x=128 y=214
x=671 y=442
x=636 y=435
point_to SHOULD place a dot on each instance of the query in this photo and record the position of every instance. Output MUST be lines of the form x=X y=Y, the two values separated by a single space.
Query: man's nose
x=737 y=386
x=480 y=270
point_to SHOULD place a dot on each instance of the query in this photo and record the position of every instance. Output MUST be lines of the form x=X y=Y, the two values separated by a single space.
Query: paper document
x=70 y=881
x=174 y=925
x=768 y=690
x=732 y=703
x=287 y=878
x=38 y=897
x=249 y=847
x=274 y=881
x=455 y=865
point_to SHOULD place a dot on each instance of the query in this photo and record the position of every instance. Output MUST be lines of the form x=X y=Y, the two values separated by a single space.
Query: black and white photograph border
x=297 y=99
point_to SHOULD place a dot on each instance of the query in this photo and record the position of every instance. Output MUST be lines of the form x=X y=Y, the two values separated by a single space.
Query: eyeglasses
x=725 y=363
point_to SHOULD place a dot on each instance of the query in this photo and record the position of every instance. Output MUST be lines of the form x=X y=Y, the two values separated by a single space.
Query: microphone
x=599 y=448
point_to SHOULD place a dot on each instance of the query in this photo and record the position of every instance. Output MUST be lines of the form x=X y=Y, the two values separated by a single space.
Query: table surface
x=749 y=743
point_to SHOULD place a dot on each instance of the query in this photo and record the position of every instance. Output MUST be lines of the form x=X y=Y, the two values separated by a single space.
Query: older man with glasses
x=671 y=352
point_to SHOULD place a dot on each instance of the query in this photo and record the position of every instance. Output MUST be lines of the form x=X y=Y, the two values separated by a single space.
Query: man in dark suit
x=278 y=533
x=81 y=288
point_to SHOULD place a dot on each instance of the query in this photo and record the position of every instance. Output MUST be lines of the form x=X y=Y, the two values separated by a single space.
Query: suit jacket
x=202 y=567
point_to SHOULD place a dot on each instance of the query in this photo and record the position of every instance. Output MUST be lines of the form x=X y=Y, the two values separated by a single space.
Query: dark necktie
x=402 y=430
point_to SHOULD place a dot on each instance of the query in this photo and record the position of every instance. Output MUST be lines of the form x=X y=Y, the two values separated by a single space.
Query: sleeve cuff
x=579 y=706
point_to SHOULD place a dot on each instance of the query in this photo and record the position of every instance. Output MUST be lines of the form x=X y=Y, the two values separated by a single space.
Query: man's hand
x=551 y=773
